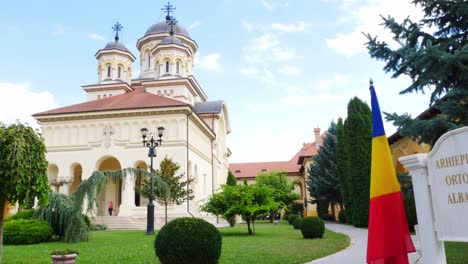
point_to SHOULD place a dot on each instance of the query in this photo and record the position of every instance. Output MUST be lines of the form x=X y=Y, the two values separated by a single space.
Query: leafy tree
x=436 y=62
x=23 y=168
x=177 y=190
x=249 y=201
x=342 y=164
x=231 y=180
x=358 y=129
x=282 y=188
x=323 y=182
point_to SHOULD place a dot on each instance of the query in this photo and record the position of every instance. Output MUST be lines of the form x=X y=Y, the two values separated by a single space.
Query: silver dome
x=163 y=27
x=115 y=45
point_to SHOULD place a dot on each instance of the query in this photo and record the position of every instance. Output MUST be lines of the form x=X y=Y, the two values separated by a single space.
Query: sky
x=283 y=67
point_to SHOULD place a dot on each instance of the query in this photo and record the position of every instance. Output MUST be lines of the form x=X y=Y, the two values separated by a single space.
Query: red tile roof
x=252 y=169
x=293 y=166
x=135 y=99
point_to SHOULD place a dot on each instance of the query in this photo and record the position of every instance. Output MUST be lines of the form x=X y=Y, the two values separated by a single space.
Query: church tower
x=114 y=69
x=166 y=50
x=115 y=60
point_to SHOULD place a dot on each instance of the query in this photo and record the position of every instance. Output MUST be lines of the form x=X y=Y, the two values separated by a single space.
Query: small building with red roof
x=296 y=169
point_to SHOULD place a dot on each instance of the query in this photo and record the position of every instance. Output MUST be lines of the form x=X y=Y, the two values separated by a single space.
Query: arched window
x=177 y=67
x=99 y=96
x=119 y=71
x=108 y=71
x=104 y=96
x=149 y=60
x=167 y=66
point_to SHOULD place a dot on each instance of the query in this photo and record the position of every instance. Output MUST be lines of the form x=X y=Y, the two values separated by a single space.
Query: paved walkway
x=356 y=252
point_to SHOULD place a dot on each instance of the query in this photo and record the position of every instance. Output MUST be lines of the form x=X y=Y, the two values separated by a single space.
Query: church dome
x=171 y=40
x=163 y=27
x=115 y=45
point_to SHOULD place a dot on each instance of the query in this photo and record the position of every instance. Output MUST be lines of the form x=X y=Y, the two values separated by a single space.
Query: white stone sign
x=440 y=182
x=447 y=166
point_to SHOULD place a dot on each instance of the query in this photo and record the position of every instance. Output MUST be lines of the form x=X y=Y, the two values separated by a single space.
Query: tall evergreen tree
x=231 y=180
x=436 y=62
x=342 y=166
x=323 y=182
x=358 y=131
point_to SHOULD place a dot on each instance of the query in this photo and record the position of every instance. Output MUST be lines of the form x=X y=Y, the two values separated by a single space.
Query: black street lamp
x=151 y=144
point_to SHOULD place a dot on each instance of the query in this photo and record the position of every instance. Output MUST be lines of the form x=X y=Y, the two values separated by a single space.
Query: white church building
x=103 y=133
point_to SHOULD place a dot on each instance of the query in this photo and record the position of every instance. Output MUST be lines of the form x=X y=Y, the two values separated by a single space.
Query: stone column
x=128 y=196
x=432 y=250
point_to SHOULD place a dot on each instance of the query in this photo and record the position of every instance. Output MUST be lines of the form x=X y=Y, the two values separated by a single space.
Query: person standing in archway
x=111 y=207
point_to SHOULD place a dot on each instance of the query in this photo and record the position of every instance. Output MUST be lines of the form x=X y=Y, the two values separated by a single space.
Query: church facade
x=104 y=133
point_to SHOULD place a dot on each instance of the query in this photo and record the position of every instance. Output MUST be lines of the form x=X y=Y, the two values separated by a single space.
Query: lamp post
x=151 y=144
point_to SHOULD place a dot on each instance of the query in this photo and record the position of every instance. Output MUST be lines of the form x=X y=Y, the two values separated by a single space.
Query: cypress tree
x=343 y=167
x=231 y=180
x=359 y=135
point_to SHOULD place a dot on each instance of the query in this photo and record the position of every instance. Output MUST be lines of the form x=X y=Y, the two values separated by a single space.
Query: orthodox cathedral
x=105 y=132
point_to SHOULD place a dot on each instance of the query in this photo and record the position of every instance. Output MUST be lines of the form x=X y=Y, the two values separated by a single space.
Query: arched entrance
x=77 y=173
x=52 y=176
x=112 y=191
x=139 y=180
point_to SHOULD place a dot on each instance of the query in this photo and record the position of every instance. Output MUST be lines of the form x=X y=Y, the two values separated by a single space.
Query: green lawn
x=271 y=244
x=456 y=252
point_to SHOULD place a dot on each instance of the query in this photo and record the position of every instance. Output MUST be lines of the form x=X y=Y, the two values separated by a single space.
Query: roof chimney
x=318 y=139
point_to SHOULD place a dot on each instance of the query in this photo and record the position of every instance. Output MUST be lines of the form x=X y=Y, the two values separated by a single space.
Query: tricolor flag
x=389 y=239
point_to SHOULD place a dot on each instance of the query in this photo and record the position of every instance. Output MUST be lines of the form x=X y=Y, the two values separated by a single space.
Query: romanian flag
x=389 y=239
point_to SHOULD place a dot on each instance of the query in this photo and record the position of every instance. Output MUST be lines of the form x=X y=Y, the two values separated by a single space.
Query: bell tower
x=115 y=60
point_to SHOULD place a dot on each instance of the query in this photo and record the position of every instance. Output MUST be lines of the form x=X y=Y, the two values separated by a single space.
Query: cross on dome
x=117 y=27
x=172 y=22
x=169 y=9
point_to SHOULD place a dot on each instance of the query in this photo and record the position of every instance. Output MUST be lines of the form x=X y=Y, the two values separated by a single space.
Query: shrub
x=25 y=214
x=326 y=217
x=291 y=218
x=297 y=223
x=188 y=240
x=342 y=216
x=87 y=220
x=26 y=231
x=98 y=227
x=64 y=252
x=312 y=227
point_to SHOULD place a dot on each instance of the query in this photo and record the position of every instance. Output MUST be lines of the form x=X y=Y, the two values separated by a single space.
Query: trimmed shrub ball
x=292 y=218
x=26 y=231
x=312 y=227
x=25 y=214
x=188 y=240
x=297 y=223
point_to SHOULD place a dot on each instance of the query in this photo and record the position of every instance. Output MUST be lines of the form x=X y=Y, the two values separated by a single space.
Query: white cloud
x=293 y=27
x=194 y=24
x=249 y=71
x=289 y=70
x=266 y=49
x=365 y=14
x=267 y=5
x=18 y=102
x=210 y=62
x=58 y=31
x=95 y=36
